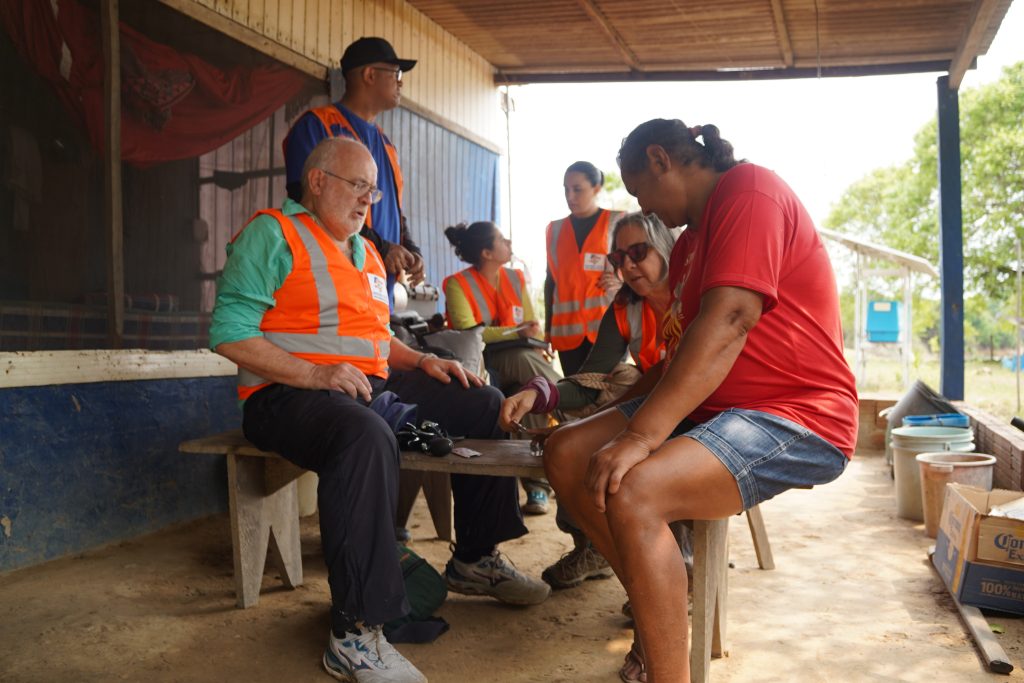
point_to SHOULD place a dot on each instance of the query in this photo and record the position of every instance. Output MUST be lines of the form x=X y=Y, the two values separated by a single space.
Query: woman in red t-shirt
x=755 y=358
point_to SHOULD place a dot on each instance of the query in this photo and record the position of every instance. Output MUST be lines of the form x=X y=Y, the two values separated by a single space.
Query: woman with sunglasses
x=579 y=284
x=755 y=359
x=631 y=324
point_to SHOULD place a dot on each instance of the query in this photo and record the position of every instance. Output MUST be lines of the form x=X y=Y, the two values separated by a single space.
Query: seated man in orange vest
x=302 y=310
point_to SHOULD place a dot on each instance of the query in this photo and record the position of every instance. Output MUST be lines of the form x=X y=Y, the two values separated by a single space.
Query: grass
x=987 y=384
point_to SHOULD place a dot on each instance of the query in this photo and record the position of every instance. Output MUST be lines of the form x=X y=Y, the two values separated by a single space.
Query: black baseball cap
x=371 y=50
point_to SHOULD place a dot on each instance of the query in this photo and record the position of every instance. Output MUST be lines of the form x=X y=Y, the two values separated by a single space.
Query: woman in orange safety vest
x=580 y=284
x=643 y=246
x=492 y=295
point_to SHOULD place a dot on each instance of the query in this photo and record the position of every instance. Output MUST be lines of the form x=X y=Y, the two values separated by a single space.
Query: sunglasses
x=636 y=253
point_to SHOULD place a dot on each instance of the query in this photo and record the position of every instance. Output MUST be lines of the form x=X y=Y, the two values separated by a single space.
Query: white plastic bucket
x=907 y=442
x=939 y=469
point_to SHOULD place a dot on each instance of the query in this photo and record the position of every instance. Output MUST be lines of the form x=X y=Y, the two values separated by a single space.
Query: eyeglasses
x=636 y=253
x=397 y=72
x=361 y=187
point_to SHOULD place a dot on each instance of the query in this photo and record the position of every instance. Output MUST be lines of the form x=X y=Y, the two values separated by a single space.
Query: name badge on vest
x=378 y=287
x=517 y=314
x=592 y=261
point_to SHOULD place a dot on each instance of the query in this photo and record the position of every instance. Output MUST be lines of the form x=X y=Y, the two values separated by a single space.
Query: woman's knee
x=561 y=452
x=637 y=500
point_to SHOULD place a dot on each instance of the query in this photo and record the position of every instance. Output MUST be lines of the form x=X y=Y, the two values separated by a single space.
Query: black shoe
x=402 y=535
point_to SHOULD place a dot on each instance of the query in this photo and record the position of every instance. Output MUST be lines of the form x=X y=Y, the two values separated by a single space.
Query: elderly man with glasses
x=373 y=84
x=302 y=310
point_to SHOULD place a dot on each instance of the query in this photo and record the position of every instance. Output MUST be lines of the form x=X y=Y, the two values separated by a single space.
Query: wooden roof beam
x=974 y=33
x=616 y=39
x=785 y=44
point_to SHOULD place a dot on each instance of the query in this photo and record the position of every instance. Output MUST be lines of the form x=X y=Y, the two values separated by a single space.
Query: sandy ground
x=851 y=599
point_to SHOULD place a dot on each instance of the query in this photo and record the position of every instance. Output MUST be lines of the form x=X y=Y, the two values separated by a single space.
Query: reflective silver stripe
x=635 y=320
x=596 y=301
x=566 y=330
x=249 y=379
x=326 y=293
x=322 y=343
x=564 y=307
x=478 y=296
x=613 y=218
x=513 y=275
x=556 y=230
x=593 y=325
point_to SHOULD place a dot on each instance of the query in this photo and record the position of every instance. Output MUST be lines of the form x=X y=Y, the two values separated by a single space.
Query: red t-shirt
x=757 y=235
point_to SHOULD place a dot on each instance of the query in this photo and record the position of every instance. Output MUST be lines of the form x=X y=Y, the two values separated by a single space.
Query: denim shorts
x=767 y=454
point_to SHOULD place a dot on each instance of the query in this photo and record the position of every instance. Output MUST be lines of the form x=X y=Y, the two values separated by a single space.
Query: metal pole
x=1016 y=360
x=951 y=240
x=908 y=339
x=506 y=105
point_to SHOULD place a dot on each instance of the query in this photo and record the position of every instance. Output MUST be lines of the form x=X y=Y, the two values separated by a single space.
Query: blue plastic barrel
x=941 y=420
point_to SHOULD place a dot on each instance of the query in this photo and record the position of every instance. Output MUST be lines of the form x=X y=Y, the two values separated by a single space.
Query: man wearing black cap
x=373 y=84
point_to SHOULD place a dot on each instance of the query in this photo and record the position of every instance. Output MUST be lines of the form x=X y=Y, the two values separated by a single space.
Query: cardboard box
x=966 y=533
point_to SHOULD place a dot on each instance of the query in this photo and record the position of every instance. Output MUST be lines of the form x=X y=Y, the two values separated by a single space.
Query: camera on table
x=428 y=438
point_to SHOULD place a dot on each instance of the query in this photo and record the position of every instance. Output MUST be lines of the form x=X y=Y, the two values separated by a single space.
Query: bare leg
x=566 y=456
x=682 y=480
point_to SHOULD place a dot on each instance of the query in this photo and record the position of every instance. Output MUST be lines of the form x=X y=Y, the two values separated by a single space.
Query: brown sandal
x=634 y=670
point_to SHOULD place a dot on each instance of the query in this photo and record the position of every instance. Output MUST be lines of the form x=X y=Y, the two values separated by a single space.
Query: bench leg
x=409 y=484
x=259 y=518
x=437 y=489
x=762 y=547
x=710 y=550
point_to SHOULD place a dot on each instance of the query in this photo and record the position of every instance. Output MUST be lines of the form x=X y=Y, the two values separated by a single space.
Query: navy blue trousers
x=356 y=456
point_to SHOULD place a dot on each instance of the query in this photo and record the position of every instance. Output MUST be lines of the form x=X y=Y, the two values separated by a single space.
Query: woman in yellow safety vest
x=490 y=294
x=580 y=283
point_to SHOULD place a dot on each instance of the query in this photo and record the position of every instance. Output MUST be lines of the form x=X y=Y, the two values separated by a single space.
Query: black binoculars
x=429 y=437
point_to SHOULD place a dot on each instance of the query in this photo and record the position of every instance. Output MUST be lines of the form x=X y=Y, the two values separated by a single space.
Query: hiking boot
x=536 y=501
x=496 y=576
x=576 y=566
x=365 y=656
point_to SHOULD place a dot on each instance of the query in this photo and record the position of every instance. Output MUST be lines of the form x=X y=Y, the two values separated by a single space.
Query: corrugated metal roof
x=577 y=40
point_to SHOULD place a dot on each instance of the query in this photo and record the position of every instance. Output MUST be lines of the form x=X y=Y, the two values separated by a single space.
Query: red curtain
x=174 y=105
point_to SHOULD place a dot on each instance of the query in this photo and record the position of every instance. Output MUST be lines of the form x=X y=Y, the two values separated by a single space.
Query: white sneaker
x=495 y=575
x=365 y=656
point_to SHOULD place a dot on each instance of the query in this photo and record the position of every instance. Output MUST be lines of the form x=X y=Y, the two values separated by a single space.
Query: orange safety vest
x=577 y=302
x=330 y=115
x=501 y=306
x=326 y=310
x=638 y=325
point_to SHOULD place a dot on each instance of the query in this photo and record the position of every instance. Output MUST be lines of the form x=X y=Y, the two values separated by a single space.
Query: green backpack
x=426 y=591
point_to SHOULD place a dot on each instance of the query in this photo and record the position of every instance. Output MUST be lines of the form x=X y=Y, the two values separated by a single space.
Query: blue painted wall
x=82 y=465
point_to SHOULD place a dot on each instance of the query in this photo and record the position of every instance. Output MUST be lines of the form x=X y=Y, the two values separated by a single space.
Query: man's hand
x=398 y=259
x=341 y=377
x=443 y=370
x=515 y=407
x=417 y=272
x=611 y=463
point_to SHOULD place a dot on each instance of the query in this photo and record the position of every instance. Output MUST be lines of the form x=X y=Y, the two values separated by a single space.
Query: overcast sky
x=820 y=135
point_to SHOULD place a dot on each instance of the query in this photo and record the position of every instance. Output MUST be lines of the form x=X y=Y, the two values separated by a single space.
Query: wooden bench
x=264 y=511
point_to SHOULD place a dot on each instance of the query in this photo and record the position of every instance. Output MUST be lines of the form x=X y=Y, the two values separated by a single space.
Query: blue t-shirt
x=308 y=132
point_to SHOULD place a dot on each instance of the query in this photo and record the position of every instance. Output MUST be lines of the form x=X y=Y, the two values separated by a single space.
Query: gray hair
x=324 y=150
x=658 y=236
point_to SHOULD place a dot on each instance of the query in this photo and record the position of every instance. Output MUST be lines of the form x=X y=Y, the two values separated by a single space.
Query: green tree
x=898 y=206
